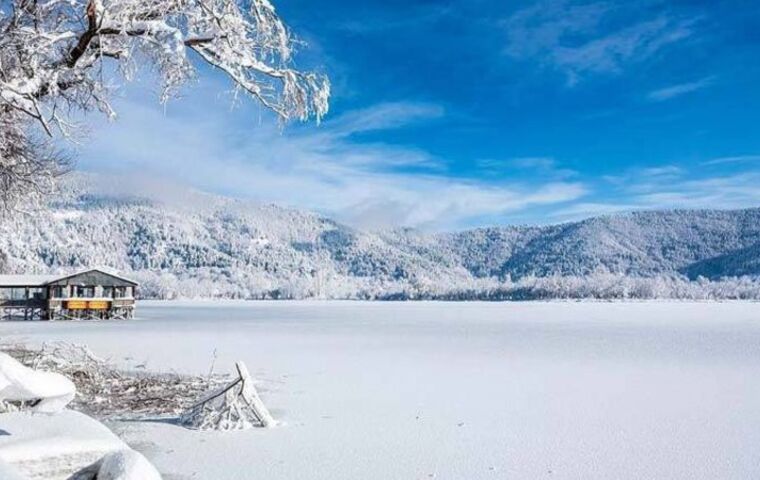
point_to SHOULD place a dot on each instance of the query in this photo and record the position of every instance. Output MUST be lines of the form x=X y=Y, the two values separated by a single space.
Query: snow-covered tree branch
x=55 y=56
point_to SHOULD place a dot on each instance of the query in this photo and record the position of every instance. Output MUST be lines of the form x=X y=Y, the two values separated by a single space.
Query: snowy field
x=454 y=390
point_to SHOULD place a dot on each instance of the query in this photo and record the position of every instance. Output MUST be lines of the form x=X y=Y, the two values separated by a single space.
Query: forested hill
x=181 y=243
x=711 y=243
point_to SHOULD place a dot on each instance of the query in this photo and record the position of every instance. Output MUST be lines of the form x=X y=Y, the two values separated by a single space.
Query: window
x=84 y=292
x=122 y=292
x=37 y=293
x=18 y=294
x=107 y=292
x=59 y=291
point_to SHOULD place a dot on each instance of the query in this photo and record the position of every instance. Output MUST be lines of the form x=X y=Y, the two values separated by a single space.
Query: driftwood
x=103 y=391
x=237 y=406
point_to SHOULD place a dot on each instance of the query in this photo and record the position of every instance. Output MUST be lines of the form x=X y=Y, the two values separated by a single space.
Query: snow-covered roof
x=104 y=270
x=40 y=280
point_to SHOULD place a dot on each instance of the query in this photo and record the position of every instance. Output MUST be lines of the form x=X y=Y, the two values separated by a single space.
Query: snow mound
x=126 y=465
x=62 y=444
x=45 y=392
x=54 y=446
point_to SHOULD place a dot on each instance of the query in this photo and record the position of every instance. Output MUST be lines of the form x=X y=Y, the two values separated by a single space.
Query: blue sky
x=453 y=114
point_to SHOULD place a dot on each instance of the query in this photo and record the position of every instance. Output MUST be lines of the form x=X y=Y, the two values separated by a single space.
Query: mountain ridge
x=185 y=243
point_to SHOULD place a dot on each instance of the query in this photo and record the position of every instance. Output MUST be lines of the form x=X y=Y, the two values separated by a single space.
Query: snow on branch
x=237 y=406
x=29 y=165
x=54 y=57
x=104 y=391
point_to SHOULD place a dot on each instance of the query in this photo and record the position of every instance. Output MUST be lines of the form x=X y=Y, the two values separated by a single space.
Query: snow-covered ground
x=454 y=390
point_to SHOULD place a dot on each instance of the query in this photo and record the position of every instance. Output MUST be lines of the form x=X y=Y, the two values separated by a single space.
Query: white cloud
x=317 y=168
x=383 y=116
x=728 y=191
x=673 y=91
x=741 y=190
x=637 y=178
x=577 y=39
x=541 y=163
x=542 y=167
x=734 y=159
x=664 y=187
x=662 y=171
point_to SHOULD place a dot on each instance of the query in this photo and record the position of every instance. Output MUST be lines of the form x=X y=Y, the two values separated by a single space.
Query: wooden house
x=89 y=294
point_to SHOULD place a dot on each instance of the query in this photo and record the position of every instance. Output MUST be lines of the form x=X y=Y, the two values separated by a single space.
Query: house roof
x=42 y=280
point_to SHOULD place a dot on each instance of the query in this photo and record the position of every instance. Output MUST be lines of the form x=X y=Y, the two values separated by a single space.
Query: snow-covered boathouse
x=90 y=294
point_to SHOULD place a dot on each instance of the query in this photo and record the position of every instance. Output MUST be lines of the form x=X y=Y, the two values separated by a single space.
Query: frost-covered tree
x=55 y=56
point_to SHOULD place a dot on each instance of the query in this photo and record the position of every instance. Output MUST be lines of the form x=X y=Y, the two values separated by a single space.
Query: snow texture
x=468 y=390
x=9 y=473
x=54 y=446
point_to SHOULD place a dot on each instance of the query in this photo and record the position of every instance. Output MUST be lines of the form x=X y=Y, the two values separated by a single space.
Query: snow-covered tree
x=55 y=56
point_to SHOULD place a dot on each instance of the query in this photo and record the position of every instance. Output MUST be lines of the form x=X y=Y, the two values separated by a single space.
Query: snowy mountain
x=638 y=244
x=179 y=242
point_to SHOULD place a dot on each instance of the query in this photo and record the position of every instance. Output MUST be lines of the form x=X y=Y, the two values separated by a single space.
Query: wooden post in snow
x=251 y=396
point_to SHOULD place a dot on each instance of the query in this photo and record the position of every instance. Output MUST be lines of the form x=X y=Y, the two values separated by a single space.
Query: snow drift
x=61 y=444
x=126 y=465
x=43 y=391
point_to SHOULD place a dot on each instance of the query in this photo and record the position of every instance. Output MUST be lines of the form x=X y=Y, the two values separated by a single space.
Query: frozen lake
x=454 y=390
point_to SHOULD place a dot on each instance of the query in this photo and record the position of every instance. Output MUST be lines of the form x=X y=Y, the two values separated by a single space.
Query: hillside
x=178 y=242
x=637 y=244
